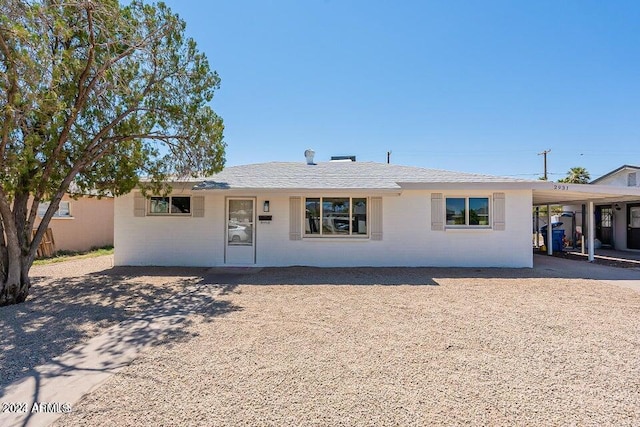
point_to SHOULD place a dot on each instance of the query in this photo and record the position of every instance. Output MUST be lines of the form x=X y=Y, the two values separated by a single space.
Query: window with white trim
x=335 y=216
x=467 y=212
x=170 y=205
x=62 y=212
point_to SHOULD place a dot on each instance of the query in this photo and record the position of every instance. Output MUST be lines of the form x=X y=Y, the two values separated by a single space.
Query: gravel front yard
x=73 y=301
x=304 y=346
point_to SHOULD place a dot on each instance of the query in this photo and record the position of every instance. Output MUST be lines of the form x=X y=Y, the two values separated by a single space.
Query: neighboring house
x=338 y=214
x=618 y=222
x=81 y=223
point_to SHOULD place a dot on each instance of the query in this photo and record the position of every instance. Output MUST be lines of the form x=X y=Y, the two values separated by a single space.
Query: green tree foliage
x=94 y=94
x=576 y=175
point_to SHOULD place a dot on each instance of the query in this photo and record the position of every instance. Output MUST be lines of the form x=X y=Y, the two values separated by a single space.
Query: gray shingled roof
x=336 y=175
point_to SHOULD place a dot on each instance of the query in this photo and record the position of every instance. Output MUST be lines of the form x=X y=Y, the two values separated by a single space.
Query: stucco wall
x=90 y=224
x=407 y=236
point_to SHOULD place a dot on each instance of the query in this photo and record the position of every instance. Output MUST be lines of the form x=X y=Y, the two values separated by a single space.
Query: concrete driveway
x=567 y=268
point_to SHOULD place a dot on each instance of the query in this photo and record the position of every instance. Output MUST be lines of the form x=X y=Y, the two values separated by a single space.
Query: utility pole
x=388 y=157
x=544 y=153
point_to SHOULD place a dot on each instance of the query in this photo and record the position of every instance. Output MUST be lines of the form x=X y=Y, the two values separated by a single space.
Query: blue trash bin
x=558 y=240
x=557 y=237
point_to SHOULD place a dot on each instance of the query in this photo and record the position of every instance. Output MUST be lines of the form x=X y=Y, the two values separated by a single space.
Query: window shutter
x=437 y=212
x=499 y=211
x=139 y=204
x=197 y=203
x=295 y=218
x=376 y=218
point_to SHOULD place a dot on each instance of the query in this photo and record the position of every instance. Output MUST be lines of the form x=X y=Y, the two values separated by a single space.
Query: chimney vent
x=309 y=154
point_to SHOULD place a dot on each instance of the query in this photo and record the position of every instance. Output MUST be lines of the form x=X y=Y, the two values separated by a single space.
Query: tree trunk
x=14 y=289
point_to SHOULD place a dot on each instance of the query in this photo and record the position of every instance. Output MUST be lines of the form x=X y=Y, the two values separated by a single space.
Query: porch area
x=599 y=206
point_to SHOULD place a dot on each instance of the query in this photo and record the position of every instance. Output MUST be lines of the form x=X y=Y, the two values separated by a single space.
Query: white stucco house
x=336 y=214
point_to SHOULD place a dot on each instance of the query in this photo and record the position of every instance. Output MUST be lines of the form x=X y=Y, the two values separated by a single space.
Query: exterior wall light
x=265 y=206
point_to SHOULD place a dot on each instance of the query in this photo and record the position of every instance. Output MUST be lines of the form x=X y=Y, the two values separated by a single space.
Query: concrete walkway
x=625 y=277
x=52 y=389
x=631 y=257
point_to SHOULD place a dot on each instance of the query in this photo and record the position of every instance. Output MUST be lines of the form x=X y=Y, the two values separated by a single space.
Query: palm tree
x=577 y=175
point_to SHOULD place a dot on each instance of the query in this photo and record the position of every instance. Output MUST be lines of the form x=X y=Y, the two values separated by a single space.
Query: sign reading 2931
x=560 y=187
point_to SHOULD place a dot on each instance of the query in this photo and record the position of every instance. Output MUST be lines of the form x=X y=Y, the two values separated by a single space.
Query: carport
x=547 y=194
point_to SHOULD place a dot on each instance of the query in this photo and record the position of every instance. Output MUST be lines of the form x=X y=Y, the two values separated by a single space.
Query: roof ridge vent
x=309 y=155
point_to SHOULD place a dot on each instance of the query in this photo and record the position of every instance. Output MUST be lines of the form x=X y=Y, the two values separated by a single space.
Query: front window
x=478 y=211
x=456 y=212
x=62 y=212
x=468 y=211
x=335 y=216
x=173 y=205
x=180 y=205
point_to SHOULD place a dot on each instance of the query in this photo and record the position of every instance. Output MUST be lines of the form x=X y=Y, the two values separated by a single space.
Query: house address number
x=560 y=187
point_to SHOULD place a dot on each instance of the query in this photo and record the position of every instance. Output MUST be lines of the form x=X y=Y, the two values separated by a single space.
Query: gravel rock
x=305 y=346
x=72 y=301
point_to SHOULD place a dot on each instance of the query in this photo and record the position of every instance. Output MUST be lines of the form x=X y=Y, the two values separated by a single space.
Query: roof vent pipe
x=309 y=154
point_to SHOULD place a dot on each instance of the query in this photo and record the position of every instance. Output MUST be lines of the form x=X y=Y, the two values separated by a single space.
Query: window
x=173 y=205
x=467 y=211
x=335 y=216
x=240 y=223
x=631 y=179
x=62 y=212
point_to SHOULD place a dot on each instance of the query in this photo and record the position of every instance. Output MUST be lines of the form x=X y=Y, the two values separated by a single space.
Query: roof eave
x=300 y=190
x=499 y=185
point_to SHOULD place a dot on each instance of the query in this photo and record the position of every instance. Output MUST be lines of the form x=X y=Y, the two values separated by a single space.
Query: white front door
x=240 y=231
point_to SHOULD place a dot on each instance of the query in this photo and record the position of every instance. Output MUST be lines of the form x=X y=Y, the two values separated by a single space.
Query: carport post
x=537 y=226
x=592 y=231
x=583 y=214
x=549 y=232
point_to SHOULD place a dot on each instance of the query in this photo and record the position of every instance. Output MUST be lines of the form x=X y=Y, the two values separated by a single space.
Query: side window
x=171 y=205
x=64 y=209
x=631 y=179
x=456 y=211
x=478 y=211
x=467 y=211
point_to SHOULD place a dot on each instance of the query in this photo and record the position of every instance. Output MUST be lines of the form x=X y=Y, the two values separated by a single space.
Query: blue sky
x=475 y=86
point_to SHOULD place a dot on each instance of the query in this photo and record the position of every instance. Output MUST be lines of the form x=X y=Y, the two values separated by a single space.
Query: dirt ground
x=389 y=346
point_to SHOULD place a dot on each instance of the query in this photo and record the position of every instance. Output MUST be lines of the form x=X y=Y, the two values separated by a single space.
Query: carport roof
x=552 y=193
